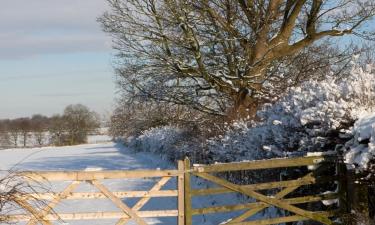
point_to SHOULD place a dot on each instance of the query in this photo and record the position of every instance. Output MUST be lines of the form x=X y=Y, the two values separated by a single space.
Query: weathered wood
x=253 y=211
x=263 y=198
x=99 y=195
x=91 y=177
x=256 y=187
x=144 y=200
x=96 y=175
x=187 y=196
x=181 y=191
x=34 y=213
x=358 y=198
x=156 y=187
x=261 y=164
x=184 y=193
x=118 y=202
x=238 y=207
x=266 y=186
x=342 y=186
x=279 y=195
x=284 y=219
x=122 y=221
x=95 y=215
x=55 y=201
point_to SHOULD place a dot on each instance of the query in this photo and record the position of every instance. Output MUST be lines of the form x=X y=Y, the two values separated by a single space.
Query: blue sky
x=53 y=53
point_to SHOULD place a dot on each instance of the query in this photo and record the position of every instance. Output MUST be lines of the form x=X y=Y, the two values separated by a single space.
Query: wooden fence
x=185 y=194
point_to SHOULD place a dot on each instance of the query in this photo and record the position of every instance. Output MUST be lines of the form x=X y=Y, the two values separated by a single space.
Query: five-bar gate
x=183 y=192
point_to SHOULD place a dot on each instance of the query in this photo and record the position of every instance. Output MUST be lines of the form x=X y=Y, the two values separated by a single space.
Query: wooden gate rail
x=263 y=201
x=97 y=175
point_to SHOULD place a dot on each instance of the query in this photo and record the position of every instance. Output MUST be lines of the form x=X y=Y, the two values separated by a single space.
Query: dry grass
x=12 y=189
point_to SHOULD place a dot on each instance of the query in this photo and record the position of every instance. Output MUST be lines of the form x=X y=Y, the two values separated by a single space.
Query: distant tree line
x=70 y=128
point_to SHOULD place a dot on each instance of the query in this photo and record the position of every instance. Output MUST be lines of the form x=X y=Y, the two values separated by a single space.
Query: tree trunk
x=24 y=139
x=245 y=105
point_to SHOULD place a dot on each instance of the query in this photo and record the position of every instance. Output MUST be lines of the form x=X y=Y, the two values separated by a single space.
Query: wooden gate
x=253 y=191
x=184 y=193
x=46 y=214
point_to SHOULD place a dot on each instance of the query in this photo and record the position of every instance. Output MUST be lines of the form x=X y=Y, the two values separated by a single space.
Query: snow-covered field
x=108 y=156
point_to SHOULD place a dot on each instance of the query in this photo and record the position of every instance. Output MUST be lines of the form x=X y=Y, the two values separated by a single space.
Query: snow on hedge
x=160 y=140
x=361 y=149
x=316 y=116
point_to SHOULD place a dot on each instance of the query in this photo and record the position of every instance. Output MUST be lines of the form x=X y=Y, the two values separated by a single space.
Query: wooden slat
x=238 y=207
x=254 y=211
x=279 y=195
x=144 y=200
x=94 y=215
x=55 y=201
x=263 y=198
x=34 y=213
x=265 y=186
x=122 y=221
x=118 y=203
x=255 y=187
x=181 y=191
x=156 y=187
x=98 y=195
x=96 y=175
x=187 y=196
x=260 y=164
x=285 y=219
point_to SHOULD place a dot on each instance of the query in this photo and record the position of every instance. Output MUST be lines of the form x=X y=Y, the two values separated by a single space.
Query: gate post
x=342 y=174
x=181 y=193
x=358 y=198
x=187 y=185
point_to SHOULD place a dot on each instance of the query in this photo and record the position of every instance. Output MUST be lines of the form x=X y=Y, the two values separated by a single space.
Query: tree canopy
x=218 y=54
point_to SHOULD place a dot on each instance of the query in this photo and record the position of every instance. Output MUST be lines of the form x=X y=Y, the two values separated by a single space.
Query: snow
x=304 y=120
x=361 y=149
x=160 y=140
x=112 y=156
x=90 y=157
x=330 y=201
x=364 y=127
x=99 y=138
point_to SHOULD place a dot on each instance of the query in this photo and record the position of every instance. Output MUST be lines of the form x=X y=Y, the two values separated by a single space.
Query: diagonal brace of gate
x=144 y=200
x=271 y=201
x=55 y=201
x=279 y=195
x=126 y=209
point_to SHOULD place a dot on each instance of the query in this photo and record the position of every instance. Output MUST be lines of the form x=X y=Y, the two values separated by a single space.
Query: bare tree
x=39 y=125
x=79 y=122
x=24 y=125
x=216 y=54
x=14 y=131
x=56 y=128
x=4 y=134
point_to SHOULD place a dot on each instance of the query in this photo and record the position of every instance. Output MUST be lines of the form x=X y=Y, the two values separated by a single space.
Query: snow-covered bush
x=361 y=149
x=316 y=116
x=159 y=140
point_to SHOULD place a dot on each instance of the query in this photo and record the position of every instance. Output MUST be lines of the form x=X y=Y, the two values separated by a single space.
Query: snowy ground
x=107 y=156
